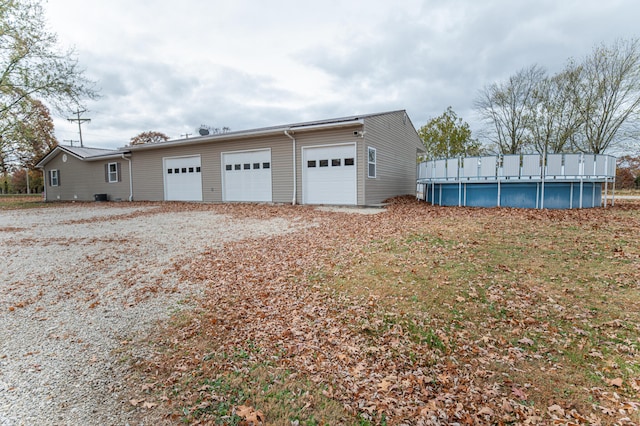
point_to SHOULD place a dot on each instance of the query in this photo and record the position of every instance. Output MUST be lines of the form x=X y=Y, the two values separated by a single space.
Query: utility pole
x=186 y=135
x=70 y=141
x=80 y=121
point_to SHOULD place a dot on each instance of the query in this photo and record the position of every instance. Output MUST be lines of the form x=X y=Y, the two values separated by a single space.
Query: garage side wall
x=80 y=180
x=148 y=169
x=397 y=144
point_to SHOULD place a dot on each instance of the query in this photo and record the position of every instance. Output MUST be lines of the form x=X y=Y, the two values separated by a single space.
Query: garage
x=182 y=178
x=329 y=174
x=246 y=176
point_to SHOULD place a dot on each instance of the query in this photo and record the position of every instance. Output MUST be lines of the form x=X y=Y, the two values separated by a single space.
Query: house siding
x=148 y=168
x=397 y=144
x=81 y=180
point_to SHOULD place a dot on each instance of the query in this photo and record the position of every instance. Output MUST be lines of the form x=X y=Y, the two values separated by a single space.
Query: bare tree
x=505 y=106
x=608 y=96
x=553 y=119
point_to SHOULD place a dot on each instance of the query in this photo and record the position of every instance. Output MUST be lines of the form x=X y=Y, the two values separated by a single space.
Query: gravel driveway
x=79 y=284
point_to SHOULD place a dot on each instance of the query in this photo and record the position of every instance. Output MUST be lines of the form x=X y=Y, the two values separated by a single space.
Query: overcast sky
x=170 y=66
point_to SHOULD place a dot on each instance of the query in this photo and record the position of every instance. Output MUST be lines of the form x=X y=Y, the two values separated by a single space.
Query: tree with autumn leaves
x=148 y=137
x=33 y=71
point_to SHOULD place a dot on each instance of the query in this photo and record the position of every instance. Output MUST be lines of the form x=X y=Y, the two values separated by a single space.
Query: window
x=311 y=163
x=247 y=166
x=190 y=169
x=236 y=167
x=112 y=172
x=176 y=170
x=336 y=162
x=256 y=166
x=198 y=169
x=228 y=167
x=349 y=162
x=266 y=165
x=371 y=160
x=54 y=178
x=184 y=170
x=324 y=163
x=169 y=171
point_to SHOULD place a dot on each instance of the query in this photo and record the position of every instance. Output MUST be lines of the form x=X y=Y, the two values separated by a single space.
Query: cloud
x=171 y=67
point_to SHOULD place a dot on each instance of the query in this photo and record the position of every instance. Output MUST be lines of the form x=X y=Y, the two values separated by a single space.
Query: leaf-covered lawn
x=418 y=315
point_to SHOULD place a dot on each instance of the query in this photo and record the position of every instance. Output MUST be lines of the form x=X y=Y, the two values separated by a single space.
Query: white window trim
x=113 y=175
x=54 y=177
x=374 y=162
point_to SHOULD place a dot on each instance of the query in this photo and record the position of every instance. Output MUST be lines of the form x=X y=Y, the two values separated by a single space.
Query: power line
x=80 y=121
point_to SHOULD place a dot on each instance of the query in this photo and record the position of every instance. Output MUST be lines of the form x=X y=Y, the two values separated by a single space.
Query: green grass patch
x=20 y=201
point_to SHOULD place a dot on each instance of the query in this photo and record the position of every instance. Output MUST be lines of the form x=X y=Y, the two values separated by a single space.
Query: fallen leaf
x=135 y=402
x=486 y=411
x=617 y=382
x=526 y=341
x=384 y=385
x=556 y=409
x=250 y=414
x=519 y=393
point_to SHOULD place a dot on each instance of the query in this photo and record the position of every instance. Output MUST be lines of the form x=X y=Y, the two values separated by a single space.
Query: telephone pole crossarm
x=80 y=121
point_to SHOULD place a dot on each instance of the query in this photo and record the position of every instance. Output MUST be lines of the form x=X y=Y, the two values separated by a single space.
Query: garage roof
x=351 y=121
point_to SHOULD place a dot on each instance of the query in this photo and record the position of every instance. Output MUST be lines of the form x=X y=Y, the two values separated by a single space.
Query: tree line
x=590 y=106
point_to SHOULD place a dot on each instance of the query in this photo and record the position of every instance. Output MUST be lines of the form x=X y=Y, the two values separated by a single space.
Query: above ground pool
x=557 y=181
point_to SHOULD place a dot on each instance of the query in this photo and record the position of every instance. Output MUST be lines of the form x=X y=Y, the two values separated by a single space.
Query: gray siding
x=392 y=134
x=148 y=177
x=81 y=180
x=397 y=144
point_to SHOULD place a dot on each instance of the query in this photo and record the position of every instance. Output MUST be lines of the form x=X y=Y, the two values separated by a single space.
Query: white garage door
x=182 y=178
x=329 y=174
x=247 y=176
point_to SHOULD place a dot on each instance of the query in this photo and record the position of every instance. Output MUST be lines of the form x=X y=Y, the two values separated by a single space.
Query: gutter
x=130 y=178
x=295 y=183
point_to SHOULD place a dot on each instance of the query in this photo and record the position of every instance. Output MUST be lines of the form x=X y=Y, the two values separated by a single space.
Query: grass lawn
x=20 y=201
x=420 y=314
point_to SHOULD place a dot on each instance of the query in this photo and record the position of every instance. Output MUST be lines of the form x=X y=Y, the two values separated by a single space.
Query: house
x=77 y=173
x=358 y=160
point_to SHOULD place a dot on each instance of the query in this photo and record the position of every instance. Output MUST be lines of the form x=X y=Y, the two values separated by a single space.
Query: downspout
x=130 y=178
x=295 y=186
x=44 y=181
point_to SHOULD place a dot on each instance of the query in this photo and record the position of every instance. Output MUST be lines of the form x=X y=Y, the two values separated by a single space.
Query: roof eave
x=246 y=134
x=53 y=153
